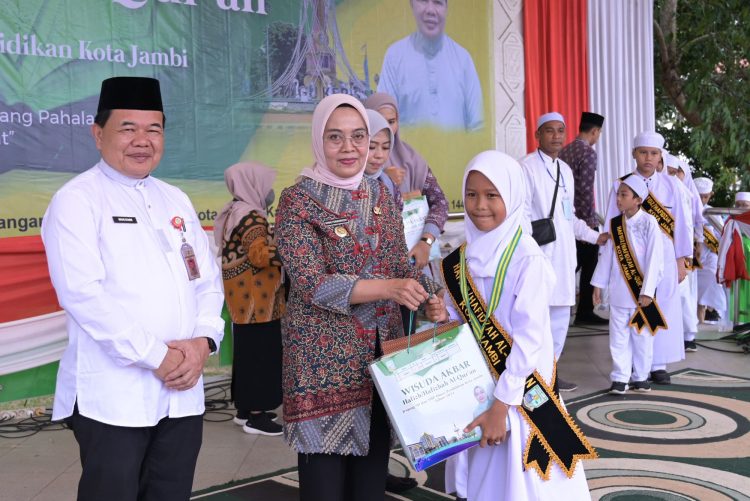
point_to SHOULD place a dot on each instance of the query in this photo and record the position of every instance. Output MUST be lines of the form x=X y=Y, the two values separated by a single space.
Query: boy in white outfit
x=631 y=265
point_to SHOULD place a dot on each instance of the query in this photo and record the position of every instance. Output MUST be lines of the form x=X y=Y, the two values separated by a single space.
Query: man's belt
x=554 y=436
x=649 y=316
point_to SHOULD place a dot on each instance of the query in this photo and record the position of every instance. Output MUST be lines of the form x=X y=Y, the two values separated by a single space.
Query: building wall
x=510 y=124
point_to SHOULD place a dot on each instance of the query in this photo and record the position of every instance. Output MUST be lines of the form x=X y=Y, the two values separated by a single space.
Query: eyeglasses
x=359 y=138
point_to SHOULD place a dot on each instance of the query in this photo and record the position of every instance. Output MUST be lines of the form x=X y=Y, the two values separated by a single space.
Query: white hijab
x=484 y=248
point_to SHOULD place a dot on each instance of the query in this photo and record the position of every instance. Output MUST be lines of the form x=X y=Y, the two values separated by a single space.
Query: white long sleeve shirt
x=644 y=237
x=115 y=262
x=540 y=173
x=666 y=189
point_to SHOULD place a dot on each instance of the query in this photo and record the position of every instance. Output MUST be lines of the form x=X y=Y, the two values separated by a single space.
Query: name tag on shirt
x=125 y=219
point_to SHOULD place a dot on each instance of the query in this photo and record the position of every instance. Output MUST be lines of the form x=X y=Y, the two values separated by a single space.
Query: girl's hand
x=492 y=423
x=436 y=310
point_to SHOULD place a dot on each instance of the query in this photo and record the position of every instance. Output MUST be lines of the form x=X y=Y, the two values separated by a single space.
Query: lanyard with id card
x=186 y=250
x=567 y=203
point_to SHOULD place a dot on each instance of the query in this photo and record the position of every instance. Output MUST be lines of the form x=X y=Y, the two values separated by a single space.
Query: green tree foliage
x=703 y=88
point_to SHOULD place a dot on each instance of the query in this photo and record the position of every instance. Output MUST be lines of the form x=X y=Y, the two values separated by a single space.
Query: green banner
x=239 y=78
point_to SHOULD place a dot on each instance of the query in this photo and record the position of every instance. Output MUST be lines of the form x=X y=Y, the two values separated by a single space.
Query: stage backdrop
x=239 y=78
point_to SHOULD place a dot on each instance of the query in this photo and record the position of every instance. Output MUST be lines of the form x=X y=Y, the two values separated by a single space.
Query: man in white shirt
x=432 y=77
x=541 y=173
x=132 y=268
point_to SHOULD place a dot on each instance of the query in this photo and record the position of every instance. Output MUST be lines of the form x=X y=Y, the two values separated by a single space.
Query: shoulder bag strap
x=557 y=185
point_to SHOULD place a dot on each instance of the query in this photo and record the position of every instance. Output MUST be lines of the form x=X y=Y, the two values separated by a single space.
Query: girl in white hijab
x=494 y=192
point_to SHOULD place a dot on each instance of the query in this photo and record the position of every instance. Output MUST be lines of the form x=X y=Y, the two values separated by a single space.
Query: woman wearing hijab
x=381 y=141
x=513 y=279
x=254 y=293
x=417 y=177
x=340 y=238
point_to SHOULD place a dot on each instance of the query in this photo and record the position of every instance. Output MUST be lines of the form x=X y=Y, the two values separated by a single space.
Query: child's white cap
x=648 y=139
x=638 y=186
x=704 y=185
x=742 y=196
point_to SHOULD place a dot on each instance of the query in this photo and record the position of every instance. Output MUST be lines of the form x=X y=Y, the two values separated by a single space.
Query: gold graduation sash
x=554 y=436
x=649 y=316
x=652 y=206
x=710 y=240
x=712 y=243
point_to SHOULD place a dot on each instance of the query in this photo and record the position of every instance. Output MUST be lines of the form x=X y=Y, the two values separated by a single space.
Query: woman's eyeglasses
x=358 y=138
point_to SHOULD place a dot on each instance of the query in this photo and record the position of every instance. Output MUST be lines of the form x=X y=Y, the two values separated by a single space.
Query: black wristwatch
x=211 y=345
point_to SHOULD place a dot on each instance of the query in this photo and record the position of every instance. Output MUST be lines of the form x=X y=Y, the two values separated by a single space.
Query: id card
x=567 y=208
x=191 y=263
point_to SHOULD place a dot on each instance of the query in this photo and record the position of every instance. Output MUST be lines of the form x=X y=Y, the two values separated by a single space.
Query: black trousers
x=154 y=463
x=256 y=368
x=588 y=255
x=333 y=477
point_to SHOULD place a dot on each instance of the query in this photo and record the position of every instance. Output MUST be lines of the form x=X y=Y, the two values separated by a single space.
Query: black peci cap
x=130 y=93
x=592 y=119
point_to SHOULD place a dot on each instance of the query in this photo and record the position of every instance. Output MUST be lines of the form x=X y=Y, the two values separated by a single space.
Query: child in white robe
x=711 y=293
x=632 y=351
x=694 y=216
x=669 y=347
x=494 y=194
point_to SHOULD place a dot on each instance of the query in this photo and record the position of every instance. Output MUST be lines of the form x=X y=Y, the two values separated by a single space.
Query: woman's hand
x=396 y=174
x=492 y=423
x=407 y=292
x=436 y=310
x=421 y=254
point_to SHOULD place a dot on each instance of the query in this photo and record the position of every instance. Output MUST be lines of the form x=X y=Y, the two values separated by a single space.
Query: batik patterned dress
x=251 y=270
x=328 y=239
